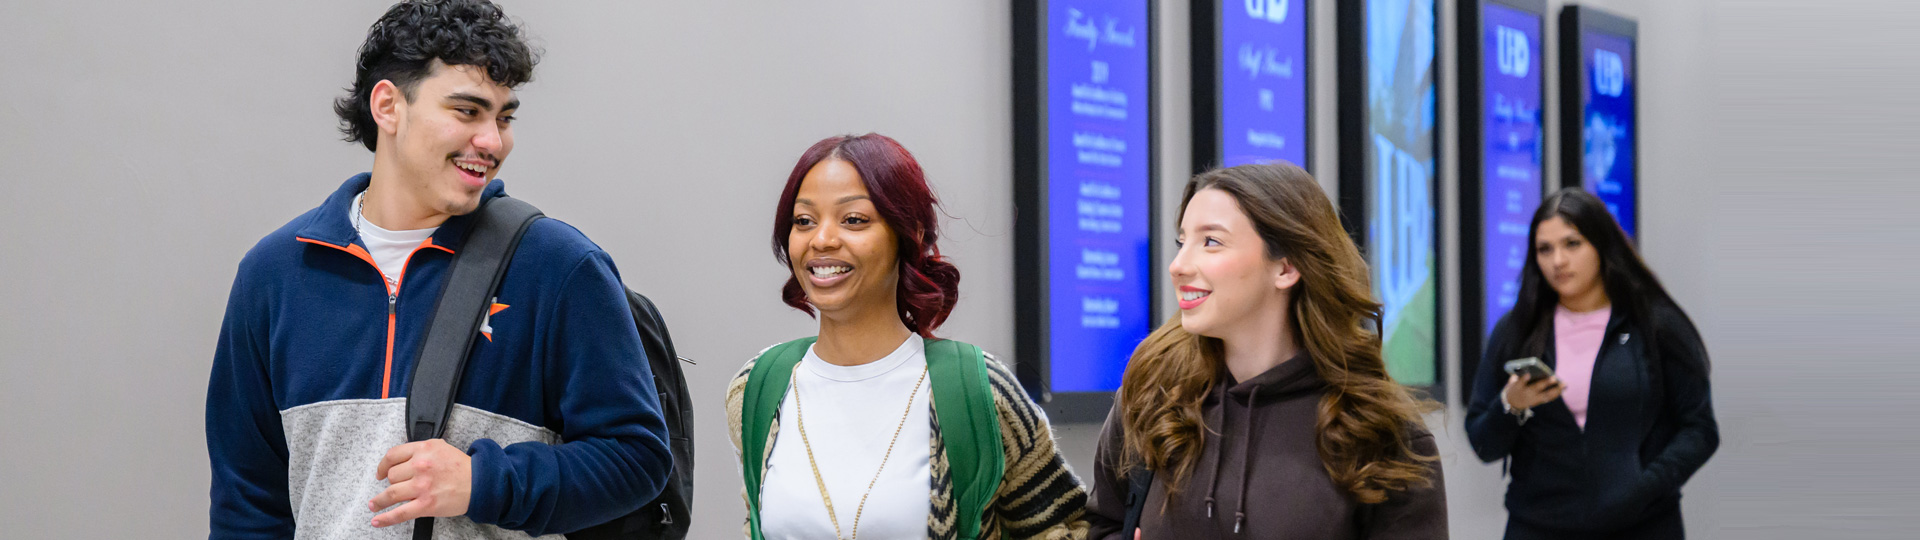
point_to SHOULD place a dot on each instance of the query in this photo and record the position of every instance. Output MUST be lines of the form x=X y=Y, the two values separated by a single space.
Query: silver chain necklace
x=359 y=211
x=359 y=215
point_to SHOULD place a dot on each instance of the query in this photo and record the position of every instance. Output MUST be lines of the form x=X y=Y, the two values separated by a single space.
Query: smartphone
x=1530 y=367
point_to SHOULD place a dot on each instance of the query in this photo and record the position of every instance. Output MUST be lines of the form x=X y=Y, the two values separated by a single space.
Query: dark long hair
x=1365 y=419
x=1630 y=285
x=929 y=285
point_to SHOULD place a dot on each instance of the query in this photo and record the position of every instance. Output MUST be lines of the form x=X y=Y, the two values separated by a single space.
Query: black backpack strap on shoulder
x=1139 y=481
x=471 y=281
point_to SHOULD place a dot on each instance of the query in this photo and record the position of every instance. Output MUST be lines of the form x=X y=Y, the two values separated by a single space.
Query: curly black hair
x=402 y=45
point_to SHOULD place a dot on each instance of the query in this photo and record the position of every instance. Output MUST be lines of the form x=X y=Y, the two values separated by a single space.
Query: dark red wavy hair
x=929 y=285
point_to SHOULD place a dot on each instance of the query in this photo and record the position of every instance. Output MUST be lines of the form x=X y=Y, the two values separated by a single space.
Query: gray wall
x=146 y=145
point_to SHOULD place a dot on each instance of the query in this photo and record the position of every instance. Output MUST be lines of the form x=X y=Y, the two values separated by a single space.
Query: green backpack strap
x=970 y=425
x=766 y=386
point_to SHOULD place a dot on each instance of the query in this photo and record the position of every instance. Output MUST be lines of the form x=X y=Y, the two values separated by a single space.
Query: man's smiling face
x=450 y=139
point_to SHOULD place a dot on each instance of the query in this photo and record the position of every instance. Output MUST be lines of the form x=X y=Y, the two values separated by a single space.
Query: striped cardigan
x=1039 y=496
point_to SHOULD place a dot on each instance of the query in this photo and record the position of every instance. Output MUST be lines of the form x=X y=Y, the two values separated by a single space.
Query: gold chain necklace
x=801 y=411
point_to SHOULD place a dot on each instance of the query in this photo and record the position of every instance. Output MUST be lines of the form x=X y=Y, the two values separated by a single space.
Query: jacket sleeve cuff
x=1520 y=416
x=486 y=500
x=1650 y=485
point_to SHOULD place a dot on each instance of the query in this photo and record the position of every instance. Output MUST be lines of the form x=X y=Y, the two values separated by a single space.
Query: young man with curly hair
x=556 y=426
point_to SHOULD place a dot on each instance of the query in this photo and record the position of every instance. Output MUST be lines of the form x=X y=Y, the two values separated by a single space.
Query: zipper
x=393 y=298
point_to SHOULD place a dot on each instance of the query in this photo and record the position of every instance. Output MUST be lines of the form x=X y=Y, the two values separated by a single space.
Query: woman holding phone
x=1600 y=447
x=1264 y=409
x=875 y=428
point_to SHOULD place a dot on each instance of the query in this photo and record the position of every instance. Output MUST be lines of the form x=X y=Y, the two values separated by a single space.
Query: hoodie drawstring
x=1220 y=457
x=1220 y=448
x=1246 y=477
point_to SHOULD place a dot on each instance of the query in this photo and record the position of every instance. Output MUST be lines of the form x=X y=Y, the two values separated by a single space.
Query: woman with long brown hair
x=1264 y=410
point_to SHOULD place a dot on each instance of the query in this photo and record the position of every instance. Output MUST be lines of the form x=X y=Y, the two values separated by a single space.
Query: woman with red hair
x=855 y=227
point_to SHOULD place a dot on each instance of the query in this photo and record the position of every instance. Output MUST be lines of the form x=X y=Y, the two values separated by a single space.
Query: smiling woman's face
x=1222 y=273
x=843 y=253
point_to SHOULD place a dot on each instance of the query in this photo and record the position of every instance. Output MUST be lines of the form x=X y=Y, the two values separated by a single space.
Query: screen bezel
x=1032 y=333
x=1575 y=21
x=1472 y=67
x=1205 y=26
x=1350 y=25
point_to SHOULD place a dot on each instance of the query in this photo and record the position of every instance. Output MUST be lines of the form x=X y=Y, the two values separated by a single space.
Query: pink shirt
x=1576 y=344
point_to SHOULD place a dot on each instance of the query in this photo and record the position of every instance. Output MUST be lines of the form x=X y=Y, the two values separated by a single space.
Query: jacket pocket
x=1622 y=501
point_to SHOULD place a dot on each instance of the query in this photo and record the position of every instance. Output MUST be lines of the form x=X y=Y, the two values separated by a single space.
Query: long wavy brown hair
x=1366 y=419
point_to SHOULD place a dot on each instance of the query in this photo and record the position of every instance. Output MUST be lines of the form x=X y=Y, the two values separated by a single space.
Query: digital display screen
x=1607 y=117
x=1263 y=81
x=1511 y=153
x=1098 y=182
x=1400 y=149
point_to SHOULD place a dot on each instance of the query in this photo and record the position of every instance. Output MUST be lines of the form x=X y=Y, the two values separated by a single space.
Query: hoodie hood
x=1289 y=380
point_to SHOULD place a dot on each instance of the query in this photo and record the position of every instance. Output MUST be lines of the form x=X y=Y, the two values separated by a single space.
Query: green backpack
x=962 y=401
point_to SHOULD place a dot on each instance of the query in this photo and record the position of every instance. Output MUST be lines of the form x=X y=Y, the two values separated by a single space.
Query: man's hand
x=432 y=477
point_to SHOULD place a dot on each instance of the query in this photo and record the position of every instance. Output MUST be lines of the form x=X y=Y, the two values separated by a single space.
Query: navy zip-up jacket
x=1650 y=426
x=310 y=379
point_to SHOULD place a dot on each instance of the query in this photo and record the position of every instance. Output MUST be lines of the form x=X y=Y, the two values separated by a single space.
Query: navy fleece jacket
x=315 y=357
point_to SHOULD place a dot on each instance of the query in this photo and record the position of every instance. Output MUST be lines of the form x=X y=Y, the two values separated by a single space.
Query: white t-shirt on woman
x=851 y=415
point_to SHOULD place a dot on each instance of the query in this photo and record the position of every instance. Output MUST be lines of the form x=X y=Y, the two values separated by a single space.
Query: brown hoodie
x=1278 y=490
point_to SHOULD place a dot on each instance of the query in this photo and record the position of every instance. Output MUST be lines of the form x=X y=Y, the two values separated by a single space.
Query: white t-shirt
x=388 y=248
x=851 y=415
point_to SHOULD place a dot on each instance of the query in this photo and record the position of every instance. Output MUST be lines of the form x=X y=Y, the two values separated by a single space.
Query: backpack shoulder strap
x=1139 y=482
x=766 y=386
x=442 y=360
x=970 y=425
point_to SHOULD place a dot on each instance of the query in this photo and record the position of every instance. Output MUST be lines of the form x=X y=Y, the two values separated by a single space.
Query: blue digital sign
x=1098 y=183
x=1263 y=81
x=1607 y=160
x=1400 y=150
x=1512 y=166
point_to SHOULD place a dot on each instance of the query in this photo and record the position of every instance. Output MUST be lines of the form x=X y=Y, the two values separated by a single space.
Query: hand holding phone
x=1530 y=383
x=1530 y=366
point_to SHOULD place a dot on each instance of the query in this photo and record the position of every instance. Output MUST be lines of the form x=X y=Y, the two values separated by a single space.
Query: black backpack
x=471 y=281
